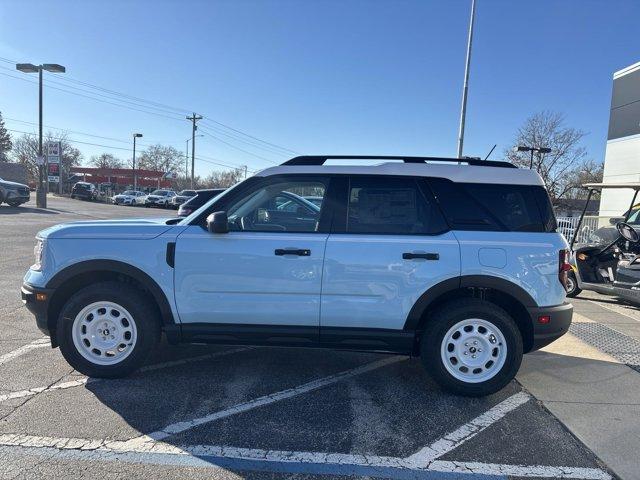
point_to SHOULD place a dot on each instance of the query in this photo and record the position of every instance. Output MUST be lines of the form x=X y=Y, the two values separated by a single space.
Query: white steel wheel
x=473 y=350
x=104 y=333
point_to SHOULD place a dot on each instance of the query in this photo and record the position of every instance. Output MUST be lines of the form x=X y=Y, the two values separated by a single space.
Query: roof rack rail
x=321 y=159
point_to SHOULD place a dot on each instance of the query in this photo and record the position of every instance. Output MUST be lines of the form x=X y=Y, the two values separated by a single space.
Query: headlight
x=37 y=252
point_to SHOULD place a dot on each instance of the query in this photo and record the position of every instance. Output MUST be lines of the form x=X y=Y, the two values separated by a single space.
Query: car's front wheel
x=471 y=347
x=107 y=330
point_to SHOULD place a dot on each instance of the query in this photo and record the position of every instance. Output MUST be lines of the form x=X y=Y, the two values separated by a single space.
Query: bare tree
x=223 y=178
x=105 y=160
x=589 y=172
x=559 y=168
x=25 y=152
x=161 y=158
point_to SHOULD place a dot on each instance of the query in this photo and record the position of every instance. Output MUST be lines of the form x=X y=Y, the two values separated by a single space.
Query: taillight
x=563 y=266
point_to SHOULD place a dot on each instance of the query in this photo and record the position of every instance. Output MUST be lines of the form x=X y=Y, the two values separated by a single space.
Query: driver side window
x=279 y=207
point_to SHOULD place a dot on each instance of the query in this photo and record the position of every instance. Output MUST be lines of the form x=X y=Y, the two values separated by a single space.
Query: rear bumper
x=545 y=333
x=39 y=306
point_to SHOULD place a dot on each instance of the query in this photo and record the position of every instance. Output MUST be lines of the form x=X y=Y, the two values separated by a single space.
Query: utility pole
x=245 y=172
x=194 y=118
x=135 y=176
x=465 y=88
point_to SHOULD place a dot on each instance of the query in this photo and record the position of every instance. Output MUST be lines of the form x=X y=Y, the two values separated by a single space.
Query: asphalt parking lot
x=227 y=412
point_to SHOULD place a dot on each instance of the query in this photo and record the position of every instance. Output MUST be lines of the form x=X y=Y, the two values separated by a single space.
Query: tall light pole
x=522 y=148
x=186 y=163
x=41 y=192
x=135 y=176
x=465 y=87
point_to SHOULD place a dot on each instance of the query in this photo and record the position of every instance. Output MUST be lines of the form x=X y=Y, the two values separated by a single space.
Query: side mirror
x=616 y=220
x=218 y=222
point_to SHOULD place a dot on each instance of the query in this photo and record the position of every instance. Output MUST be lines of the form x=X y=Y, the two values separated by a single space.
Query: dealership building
x=622 y=158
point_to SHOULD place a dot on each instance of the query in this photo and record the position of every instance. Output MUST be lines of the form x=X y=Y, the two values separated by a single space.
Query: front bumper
x=16 y=197
x=545 y=333
x=36 y=300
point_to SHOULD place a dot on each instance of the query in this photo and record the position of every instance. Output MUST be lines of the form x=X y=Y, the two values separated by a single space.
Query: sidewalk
x=593 y=394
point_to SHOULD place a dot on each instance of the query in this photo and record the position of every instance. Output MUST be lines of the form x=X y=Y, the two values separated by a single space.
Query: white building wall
x=622 y=165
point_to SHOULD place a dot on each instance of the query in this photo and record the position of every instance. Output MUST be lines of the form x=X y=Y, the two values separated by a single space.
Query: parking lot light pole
x=187 y=157
x=135 y=177
x=522 y=148
x=41 y=195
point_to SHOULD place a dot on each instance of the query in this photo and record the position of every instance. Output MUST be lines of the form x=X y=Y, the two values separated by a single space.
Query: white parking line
x=82 y=381
x=40 y=343
x=617 y=309
x=538 y=471
x=469 y=430
x=279 y=460
x=264 y=400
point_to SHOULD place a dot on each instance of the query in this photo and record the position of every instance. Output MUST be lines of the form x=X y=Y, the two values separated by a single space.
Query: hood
x=13 y=184
x=128 y=229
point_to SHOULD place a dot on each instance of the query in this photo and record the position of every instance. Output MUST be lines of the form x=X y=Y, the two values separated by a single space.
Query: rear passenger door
x=389 y=244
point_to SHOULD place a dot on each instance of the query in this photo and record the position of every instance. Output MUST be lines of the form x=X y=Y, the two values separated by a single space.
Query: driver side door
x=260 y=282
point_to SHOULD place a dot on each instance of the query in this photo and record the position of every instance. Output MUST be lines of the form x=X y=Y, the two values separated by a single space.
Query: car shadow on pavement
x=8 y=210
x=255 y=400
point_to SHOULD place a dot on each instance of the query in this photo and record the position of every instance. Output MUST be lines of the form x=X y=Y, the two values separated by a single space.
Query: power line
x=238 y=148
x=210 y=160
x=150 y=104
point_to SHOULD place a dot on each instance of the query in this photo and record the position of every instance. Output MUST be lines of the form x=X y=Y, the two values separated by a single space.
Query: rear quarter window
x=494 y=207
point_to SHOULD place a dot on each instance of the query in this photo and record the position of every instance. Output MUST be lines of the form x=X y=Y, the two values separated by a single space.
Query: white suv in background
x=159 y=198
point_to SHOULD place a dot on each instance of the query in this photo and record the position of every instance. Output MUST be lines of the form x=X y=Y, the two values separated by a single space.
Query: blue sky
x=372 y=77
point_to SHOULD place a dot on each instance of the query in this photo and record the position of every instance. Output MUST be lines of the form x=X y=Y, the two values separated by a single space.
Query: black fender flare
x=123 y=268
x=466 y=281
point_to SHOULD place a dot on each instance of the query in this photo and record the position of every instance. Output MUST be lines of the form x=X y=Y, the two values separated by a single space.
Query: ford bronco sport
x=455 y=261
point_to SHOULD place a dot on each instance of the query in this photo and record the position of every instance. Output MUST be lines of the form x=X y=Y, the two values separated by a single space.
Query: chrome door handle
x=301 y=252
x=425 y=256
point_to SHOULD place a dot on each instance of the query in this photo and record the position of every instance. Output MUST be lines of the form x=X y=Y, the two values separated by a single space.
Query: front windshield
x=634 y=218
x=188 y=193
x=128 y=192
x=159 y=192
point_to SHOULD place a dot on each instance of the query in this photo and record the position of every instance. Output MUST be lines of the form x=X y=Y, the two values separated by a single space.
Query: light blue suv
x=458 y=263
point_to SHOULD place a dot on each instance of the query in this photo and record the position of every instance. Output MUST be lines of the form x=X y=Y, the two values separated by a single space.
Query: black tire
x=572 y=285
x=449 y=315
x=142 y=311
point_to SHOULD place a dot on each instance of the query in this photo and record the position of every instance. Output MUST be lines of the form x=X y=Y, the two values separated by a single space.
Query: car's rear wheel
x=107 y=330
x=572 y=285
x=471 y=347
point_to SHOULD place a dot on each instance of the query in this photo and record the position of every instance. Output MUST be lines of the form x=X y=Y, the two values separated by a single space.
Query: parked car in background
x=128 y=197
x=202 y=197
x=13 y=193
x=159 y=198
x=181 y=197
x=85 y=191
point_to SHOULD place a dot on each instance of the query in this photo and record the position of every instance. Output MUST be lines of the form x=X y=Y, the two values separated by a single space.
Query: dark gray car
x=13 y=193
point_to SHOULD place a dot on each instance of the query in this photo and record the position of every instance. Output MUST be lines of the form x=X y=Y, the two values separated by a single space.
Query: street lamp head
x=137 y=135
x=544 y=150
x=521 y=148
x=27 y=67
x=53 y=67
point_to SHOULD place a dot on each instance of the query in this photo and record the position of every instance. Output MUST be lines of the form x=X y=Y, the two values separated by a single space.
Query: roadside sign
x=39 y=161
x=170 y=175
x=54 y=150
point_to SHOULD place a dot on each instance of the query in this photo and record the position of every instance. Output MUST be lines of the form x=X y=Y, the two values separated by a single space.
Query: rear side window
x=391 y=206
x=494 y=207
